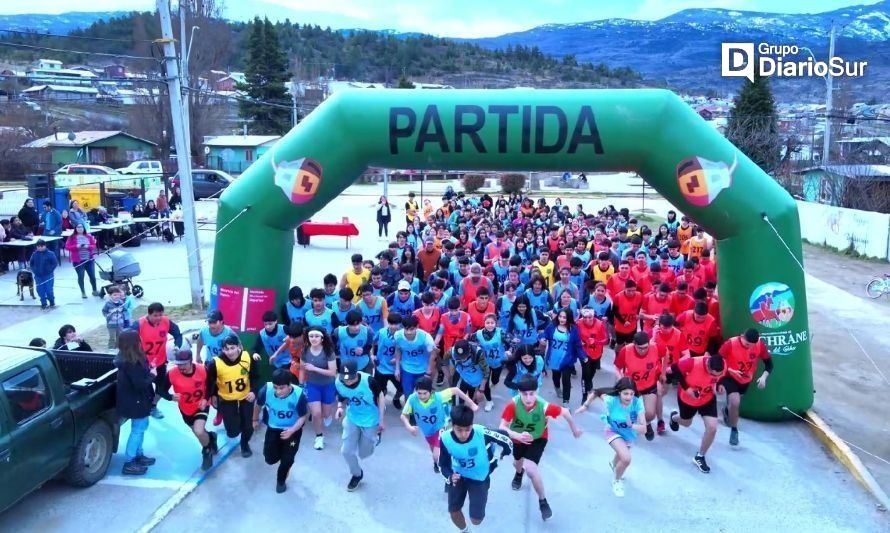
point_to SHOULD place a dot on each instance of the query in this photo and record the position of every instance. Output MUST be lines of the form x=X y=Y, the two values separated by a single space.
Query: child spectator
x=116 y=315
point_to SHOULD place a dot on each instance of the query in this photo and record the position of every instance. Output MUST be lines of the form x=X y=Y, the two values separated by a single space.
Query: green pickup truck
x=57 y=419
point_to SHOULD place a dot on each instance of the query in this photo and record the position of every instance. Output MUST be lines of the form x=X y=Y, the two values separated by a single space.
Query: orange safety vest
x=154 y=340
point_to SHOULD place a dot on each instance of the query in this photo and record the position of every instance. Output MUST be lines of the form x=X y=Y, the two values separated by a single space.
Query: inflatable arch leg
x=649 y=131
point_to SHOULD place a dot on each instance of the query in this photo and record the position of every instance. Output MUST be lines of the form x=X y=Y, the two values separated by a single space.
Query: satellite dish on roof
x=71 y=136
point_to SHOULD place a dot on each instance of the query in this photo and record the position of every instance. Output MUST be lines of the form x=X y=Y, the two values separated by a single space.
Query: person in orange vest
x=594 y=338
x=481 y=307
x=153 y=329
x=453 y=326
x=189 y=382
x=471 y=284
x=697 y=394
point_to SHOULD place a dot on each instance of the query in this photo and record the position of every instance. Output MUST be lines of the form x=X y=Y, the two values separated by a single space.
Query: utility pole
x=826 y=137
x=184 y=53
x=293 y=95
x=183 y=159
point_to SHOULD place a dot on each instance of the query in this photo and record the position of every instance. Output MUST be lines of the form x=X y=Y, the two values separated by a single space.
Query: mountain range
x=681 y=50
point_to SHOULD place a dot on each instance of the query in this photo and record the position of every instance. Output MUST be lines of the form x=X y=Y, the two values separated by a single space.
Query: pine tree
x=752 y=124
x=265 y=74
x=405 y=83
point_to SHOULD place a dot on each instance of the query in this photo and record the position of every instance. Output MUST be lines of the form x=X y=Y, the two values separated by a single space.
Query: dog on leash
x=25 y=280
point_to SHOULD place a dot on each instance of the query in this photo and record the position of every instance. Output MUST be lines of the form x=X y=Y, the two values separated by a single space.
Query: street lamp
x=826 y=135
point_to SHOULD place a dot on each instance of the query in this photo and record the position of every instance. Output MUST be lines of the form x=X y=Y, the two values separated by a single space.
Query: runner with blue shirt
x=403 y=302
x=361 y=409
x=385 y=357
x=563 y=349
x=470 y=368
x=373 y=307
x=211 y=337
x=296 y=306
x=527 y=364
x=494 y=344
x=271 y=337
x=504 y=304
x=467 y=459
x=320 y=316
x=430 y=411
x=354 y=341
x=286 y=412
x=415 y=353
x=344 y=304
x=331 y=295
x=625 y=417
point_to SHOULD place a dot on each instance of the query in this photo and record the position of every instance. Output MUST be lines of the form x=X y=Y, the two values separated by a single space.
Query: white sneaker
x=328 y=421
x=489 y=405
x=319 y=442
x=618 y=488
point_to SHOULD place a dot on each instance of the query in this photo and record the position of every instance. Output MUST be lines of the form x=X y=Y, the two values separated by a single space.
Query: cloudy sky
x=456 y=18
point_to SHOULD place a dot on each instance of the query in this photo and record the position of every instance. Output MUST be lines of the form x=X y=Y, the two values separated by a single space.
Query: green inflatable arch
x=651 y=132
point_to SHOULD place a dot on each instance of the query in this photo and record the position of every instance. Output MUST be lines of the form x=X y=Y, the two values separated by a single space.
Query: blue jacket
x=575 y=351
x=52 y=222
x=43 y=263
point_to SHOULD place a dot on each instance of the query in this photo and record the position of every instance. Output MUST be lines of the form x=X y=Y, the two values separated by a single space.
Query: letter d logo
x=737 y=60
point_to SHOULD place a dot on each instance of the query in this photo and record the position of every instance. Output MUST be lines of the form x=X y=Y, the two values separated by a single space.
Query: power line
x=63 y=51
x=79 y=37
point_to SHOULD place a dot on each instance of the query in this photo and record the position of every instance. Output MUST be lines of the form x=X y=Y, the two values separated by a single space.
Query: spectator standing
x=43 y=264
x=134 y=399
x=117 y=318
x=51 y=222
x=82 y=247
x=29 y=216
x=384 y=216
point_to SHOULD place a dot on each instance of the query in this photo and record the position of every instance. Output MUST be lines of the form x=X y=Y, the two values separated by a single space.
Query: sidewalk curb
x=187 y=488
x=847 y=457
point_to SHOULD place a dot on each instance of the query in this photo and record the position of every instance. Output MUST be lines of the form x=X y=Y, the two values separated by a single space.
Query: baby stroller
x=124 y=268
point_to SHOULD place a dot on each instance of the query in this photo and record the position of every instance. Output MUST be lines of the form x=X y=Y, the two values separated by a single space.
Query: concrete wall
x=838 y=227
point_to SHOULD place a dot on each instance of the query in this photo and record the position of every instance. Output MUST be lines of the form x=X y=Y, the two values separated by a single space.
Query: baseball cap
x=349 y=370
x=183 y=357
x=404 y=286
x=462 y=348
x=214 y=316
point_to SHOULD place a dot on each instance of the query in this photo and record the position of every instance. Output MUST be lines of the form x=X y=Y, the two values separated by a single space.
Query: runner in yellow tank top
x=355 y=277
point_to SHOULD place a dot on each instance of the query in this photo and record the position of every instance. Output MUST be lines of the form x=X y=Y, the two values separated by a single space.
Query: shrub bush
x=473 y=182
x=511 y=183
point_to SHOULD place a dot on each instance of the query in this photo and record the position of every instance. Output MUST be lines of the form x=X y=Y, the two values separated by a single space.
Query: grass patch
x=850 y=252
x=652 y=221
x=98 y=337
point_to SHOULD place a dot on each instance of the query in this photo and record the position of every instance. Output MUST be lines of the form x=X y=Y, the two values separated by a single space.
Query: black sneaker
x=354 y=481
x=650 y=433
x=517 y=481
x=206 y=459
x=134 y=469
x=214 y=444
x=675 y=426
x=280 y=487
x=379 y=438
x=546 y=512
x=144 y=460
x=397 y=403
x=246 y=451
x=435 y=467
x=440 y=380
x=700 y=462
x=733 y=437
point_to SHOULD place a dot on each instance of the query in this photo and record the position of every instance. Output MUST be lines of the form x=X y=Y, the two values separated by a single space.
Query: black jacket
x=135 y=393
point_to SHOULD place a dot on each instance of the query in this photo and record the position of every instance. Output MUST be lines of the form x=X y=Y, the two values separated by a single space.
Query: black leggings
x=588 y=371
x=564 y=376
x=237 y=418
x=283 y=452
x=382 y=228
x=383 y=379
x=493 y=379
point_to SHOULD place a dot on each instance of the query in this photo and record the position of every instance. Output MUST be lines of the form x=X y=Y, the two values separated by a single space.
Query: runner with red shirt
x=626 y=310
x=525 y=421
x=189 y=382
x=654 y=305
x=742 y=354
x=641 y=362
x=669 y=341
x=699 y=382
x=481 y=307
x=616 y=283
x=699 y=330
x=594 y=339
x=681 y=301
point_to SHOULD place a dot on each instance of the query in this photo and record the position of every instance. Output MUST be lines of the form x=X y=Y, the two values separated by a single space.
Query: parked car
x=143 y=167
x=86 y=169
x=57 y=418
x=207 y=183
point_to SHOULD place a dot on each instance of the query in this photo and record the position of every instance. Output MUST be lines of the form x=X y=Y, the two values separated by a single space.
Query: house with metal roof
x=109 y=148
x=234 y=153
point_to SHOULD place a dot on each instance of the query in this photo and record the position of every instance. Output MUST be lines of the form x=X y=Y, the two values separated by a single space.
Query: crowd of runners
x=477 y=304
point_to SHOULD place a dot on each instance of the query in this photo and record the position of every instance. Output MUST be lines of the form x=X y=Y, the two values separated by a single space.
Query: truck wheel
x=91 y=456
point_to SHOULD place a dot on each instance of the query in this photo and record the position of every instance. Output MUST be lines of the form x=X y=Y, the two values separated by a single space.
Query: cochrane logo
x=784 y=61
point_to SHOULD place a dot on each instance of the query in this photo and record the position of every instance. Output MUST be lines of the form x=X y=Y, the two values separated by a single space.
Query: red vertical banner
x=230 y=302
x=258 y=302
